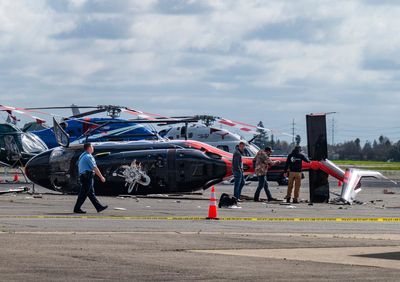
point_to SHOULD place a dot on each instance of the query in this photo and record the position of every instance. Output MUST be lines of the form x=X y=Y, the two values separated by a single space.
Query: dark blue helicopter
x=98 y=130
x=81 y=128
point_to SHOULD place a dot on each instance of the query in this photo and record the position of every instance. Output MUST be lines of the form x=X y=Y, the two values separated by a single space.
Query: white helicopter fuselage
x=220 y=138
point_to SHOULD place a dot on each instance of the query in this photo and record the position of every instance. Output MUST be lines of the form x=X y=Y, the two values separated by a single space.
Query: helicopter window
x=247 y=153
x=251 y=150
x=223 y=147
x=60 y=159
x=32 y=144
x=183 y=131
x=11 y=147
x=5 y=128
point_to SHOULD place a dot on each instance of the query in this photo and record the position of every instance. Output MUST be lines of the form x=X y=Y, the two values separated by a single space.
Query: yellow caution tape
x=193 y=218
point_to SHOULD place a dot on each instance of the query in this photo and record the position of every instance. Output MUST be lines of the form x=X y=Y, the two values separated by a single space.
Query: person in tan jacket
x=262 y=163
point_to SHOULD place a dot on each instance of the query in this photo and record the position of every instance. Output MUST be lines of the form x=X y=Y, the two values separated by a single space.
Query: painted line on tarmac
x=197 y=218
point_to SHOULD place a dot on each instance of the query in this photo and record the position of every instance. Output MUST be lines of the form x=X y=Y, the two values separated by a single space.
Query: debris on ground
x=126 y=196
x=388 y=192
x=119 y=209
x=233 y=207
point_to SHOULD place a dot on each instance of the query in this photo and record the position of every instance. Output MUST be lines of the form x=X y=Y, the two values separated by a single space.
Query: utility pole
x=333 y=130
x=293 y=124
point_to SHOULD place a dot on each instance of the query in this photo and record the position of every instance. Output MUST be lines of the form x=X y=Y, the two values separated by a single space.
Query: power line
x=333 y=130
x=293 y=128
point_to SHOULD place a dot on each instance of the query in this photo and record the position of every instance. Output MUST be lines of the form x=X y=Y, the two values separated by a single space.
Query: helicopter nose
x=38 y=169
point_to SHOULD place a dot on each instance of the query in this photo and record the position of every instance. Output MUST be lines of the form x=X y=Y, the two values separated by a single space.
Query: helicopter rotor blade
x=88 y=113
x=63 y=107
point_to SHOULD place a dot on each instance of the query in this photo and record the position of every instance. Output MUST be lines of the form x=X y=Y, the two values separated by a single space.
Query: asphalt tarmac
x=168 y=238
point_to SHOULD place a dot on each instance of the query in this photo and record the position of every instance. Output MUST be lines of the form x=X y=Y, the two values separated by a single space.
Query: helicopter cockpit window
x=13 y=153
x=183 y=131
x=247 y=152
x=223 y=147
x=60 y=159
x=32 y=144
x=251 y=150
x=6 y=128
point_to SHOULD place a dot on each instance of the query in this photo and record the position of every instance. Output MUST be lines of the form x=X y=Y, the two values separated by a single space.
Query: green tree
x=261 y=138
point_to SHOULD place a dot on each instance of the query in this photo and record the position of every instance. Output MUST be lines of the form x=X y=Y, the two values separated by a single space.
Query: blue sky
x=243 y=60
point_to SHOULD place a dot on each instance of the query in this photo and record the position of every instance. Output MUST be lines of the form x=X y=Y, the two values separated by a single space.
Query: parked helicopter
x=17 y=147
x=217 y=137
x=82 y=128
x=222 y=139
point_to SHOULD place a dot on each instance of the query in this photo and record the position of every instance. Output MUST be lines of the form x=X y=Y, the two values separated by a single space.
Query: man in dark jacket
x=237 y=170
x=294 y=165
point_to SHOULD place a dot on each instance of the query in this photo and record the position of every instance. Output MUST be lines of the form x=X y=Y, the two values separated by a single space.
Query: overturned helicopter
x=136 y=167
x=178 y=166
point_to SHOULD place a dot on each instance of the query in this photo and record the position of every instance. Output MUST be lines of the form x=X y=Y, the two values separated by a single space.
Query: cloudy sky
x=243 y=60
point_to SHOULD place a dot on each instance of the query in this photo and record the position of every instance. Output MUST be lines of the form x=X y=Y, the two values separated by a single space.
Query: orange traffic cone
x=212 y=210
x=16 y=177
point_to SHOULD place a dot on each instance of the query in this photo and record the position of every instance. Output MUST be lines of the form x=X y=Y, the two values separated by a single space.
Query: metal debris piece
x=351 y=185
x=386 y=191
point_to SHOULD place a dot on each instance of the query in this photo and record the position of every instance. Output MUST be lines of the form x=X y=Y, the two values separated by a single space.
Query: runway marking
x=351 y=236
x=198 y=218
x=338 y=255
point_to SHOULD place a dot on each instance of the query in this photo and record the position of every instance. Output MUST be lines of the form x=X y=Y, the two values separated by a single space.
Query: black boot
x=79 y=211
x=101 y=208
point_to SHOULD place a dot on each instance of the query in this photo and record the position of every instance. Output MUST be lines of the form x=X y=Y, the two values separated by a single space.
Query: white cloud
x=245 y=60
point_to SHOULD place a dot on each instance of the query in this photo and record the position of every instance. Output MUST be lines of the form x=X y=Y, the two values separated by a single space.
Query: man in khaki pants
x=294 y=165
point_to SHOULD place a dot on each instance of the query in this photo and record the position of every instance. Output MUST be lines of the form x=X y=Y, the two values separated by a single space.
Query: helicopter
x=134 y=167
x=143 y=167
x=82 y=128
x=16 y=146
x=222 y=139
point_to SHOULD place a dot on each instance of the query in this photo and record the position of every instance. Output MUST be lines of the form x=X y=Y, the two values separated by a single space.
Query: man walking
x=262 y=163
x=87 y=168
x=237 y=170
x=294 y=164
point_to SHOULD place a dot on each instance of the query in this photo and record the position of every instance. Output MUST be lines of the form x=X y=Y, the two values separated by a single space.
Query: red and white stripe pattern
x=142 y=115
x=242 y=126
x=249 y=128
x=22 y=111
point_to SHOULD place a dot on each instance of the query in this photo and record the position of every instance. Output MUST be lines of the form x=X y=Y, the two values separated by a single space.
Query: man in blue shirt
x=87 y=168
